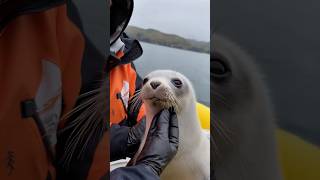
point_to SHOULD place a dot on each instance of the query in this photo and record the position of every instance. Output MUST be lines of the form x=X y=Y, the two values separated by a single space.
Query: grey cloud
x=187 y=18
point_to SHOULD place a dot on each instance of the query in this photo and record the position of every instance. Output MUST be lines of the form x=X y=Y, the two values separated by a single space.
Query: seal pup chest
x=190 y=165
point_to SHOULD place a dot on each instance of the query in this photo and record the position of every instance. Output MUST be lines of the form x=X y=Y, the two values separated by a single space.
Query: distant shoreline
x=174 y=47
x=169 y=40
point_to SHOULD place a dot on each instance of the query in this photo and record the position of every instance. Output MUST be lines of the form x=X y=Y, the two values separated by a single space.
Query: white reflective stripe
x=119 y=163
x=125 y=93
x=117 y=46
x=49 y=99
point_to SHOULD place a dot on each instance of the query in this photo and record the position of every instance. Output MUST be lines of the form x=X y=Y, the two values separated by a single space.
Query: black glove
x=161 y=143
x=125 y=141
x=134 y=138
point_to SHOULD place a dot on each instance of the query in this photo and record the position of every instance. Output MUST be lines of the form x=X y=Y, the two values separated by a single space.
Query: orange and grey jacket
x=42 y=59
x=124 y=82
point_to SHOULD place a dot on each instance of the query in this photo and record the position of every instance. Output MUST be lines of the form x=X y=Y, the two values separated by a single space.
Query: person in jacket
x=126 y=126
x=47 y=60
x=40 y=60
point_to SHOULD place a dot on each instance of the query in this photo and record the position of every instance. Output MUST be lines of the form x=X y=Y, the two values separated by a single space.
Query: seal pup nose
x=155 y=84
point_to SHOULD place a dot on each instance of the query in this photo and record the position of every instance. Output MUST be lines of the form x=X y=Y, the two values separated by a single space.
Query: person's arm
x=118 y=142
x=124 y=140
x=141 y=172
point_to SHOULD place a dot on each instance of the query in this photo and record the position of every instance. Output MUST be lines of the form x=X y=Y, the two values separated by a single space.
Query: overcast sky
x=187 y=18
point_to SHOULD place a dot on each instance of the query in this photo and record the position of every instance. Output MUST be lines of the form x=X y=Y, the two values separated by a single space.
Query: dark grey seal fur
x=243 y=144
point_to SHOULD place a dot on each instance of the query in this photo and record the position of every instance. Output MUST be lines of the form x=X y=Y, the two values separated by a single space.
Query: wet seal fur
x=165 y=89
x=243 y=144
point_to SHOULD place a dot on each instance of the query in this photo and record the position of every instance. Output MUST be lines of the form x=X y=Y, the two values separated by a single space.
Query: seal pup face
x=164 y=89
x=242 y=118
x=237 y=92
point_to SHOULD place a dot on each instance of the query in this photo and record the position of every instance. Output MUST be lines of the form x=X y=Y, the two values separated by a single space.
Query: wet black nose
x=155 y=84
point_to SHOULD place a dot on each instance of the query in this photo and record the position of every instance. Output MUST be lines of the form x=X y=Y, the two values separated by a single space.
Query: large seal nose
x=155 y=84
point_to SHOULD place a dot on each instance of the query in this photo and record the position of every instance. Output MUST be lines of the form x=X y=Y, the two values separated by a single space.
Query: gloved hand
x=125 y=141
x=135 y=135
x=161 y=143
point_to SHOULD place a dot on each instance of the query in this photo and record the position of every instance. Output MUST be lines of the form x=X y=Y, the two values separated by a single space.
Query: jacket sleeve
x=118 y=142
x=141 y=171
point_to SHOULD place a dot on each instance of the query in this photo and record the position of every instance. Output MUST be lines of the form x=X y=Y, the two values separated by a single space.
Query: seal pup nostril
x=155 y=84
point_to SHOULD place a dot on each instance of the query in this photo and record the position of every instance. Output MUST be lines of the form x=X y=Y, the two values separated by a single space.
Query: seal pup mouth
x=160 y=99
x=154 y=99
x=162 y=103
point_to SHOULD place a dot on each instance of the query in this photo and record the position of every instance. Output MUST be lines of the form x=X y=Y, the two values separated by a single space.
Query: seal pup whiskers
x=163 y=89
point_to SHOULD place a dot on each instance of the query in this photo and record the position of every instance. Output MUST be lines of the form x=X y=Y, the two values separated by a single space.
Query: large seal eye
x=177 y=83
x=219 y=68
x=145 y=80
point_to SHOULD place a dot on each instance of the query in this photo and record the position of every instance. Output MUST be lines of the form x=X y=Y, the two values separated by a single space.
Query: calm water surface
x=195 y=66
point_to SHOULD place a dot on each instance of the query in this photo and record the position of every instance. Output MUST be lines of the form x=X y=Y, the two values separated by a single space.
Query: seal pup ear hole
x=219 y=68
x=177 y=82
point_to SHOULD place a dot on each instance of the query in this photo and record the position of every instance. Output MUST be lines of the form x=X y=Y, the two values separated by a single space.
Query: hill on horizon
x=171 y=40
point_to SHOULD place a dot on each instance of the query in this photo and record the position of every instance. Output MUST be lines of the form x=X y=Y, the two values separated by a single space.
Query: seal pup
x=242 y=136
x=164 y=89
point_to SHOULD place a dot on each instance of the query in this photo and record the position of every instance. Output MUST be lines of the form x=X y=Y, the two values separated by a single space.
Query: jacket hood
x=120 y=14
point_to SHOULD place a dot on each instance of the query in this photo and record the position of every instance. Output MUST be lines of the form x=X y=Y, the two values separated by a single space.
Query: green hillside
x=170 y=40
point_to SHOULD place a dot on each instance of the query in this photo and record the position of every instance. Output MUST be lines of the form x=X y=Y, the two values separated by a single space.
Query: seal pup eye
x=145 y=80
x=219 y=68
x=177 y=83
